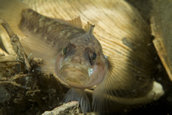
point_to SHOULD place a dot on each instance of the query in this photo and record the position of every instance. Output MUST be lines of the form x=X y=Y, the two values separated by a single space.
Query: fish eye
x=93 y=57
x=64 y=51
x=90 y=55
x=68 y=50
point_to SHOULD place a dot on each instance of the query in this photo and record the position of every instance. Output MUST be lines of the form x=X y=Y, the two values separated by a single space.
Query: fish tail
x=10 y=11
x=105 y=101
x=80 y=96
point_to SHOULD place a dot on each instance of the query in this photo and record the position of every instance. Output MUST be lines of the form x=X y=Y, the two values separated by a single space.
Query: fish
x=70 y=52
x=126 y=44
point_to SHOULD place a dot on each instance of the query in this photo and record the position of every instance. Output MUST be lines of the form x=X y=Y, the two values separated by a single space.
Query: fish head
x=81 y=63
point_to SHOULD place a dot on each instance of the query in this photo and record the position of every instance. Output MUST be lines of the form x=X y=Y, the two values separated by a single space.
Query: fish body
x=126 y=42
x=77 y=51
x=73 y=54
x=123 y=76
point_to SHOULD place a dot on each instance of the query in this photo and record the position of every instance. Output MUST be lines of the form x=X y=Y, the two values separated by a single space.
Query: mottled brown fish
x=126 y=42
x=73 y=54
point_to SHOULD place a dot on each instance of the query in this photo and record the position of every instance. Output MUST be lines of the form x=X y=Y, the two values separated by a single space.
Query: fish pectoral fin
x=80 y=96
x=76 y=22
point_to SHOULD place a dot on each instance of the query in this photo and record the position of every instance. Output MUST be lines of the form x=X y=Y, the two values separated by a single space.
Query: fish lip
x=91 y=80
x=81 y=73
x=96 y=76
x=72 y=68
x=78 y=67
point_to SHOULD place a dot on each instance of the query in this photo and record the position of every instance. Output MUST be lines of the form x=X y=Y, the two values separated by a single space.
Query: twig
x=16 y=44
x=62 y=108
x=17 y=76
x=3 y=53
x=8 y=58
x=32 y=92
x=6 y=41
x=12 y=81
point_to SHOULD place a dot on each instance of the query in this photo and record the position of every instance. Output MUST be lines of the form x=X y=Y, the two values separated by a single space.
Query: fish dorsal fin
x=89 y=27
x=76 y=22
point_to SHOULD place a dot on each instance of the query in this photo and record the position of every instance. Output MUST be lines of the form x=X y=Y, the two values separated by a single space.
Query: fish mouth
x=75 y=76
x=72 y=74
x=79 y=75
